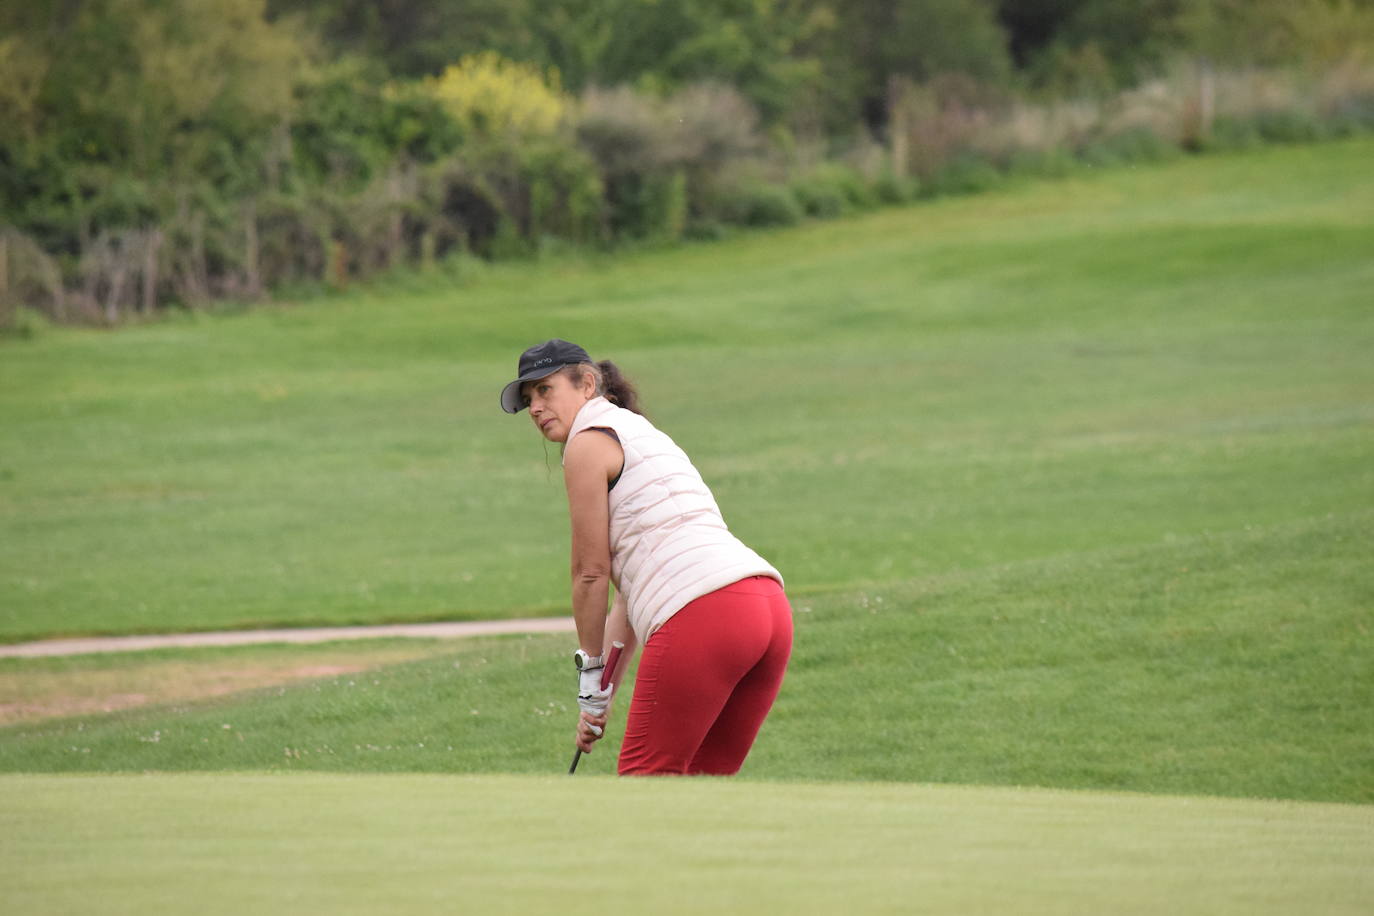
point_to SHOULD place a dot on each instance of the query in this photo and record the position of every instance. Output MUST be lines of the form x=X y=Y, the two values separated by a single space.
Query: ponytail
x=619 y=390
x=611 y=383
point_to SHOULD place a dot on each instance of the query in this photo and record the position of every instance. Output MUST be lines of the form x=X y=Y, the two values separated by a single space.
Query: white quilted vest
x=669 y=544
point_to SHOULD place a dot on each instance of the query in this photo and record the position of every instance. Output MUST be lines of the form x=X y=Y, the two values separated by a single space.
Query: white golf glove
x=591 y=699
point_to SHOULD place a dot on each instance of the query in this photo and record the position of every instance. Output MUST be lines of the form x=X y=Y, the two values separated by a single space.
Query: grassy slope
x=1073 y=490
x=340 y=844
x=1176 y=352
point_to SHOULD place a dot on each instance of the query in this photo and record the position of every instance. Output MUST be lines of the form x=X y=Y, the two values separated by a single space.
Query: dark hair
x=619 y=390
x=611 y=383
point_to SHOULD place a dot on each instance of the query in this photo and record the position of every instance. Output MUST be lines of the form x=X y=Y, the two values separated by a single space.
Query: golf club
x=607 y=674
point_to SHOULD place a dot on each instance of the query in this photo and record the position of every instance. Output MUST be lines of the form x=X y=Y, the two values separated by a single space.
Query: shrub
x=820 y=196
x=759 y=204
x=1275 y=126
x=31 y=278
x=891 y=188
x=714 y=126
x=942 y=120
x=1288 y=126
x=1048 y=163
x=491 y=97
x=659 y=159
x=371 y=227
x=466 y=213
x=292 y=238
x=1138 y=144
x=851 y=184
x=833 y=189
x=629 y=136
x=627 y=132
x=1352 y=115
x=1046 y=128
x=561 y=194
x=966 y=173
x=1231 y=133
x=22 y=323
x=653 y=207
x=1345 y=97
x=707 y=230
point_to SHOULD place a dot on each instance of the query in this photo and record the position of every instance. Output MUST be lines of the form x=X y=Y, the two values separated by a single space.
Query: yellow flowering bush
x=490 y=96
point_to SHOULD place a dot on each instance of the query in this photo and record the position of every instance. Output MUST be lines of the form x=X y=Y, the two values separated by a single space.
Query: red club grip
x=612 y=660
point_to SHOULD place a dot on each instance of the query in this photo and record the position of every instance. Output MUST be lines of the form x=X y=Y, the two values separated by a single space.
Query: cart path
x=453 y=630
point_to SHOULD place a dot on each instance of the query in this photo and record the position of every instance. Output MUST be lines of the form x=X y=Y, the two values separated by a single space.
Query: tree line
x=170 y=153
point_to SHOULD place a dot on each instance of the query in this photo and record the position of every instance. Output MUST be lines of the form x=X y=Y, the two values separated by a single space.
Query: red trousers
x=706 y=681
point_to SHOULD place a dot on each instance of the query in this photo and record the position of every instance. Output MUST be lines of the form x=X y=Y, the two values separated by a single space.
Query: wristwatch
x=585 y=662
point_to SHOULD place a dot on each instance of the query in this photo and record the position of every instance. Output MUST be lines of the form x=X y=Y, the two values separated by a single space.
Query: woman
x=711 y=614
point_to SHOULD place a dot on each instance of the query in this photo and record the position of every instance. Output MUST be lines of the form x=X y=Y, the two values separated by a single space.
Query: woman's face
x=554 y=402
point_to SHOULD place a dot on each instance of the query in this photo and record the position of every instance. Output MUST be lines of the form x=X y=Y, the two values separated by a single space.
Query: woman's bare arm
x=589 y=463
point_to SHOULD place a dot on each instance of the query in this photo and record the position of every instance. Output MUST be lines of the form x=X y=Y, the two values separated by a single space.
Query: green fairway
x=1166 y=352
x=1220 y=666
x=1073 y=486
x=238 y=844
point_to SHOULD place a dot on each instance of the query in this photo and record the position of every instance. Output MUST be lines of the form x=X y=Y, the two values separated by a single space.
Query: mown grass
x=236 y=843
x=1177 y=349
x=1229 y=665
x=1071 y=485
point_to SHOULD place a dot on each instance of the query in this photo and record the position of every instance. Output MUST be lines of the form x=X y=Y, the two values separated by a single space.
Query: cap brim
x=511 y=402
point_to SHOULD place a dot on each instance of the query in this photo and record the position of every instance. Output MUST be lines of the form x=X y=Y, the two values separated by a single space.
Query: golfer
x=710 y=613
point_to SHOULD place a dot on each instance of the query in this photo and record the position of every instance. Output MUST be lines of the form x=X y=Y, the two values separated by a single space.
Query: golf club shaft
x=607 y=677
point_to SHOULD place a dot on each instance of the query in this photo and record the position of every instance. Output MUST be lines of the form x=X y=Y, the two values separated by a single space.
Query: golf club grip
x=608 y=673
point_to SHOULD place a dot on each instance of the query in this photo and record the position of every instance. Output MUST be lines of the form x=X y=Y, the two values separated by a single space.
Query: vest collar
x=596 y=407
x=588 y=414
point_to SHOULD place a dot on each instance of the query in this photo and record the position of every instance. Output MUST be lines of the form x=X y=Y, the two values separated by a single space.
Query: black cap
x=537 y=362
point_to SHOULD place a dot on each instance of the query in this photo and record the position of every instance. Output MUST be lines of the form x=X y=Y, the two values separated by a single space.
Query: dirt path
x=49 y=647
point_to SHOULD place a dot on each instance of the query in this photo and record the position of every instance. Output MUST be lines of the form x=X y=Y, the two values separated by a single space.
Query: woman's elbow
x=591 y=574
